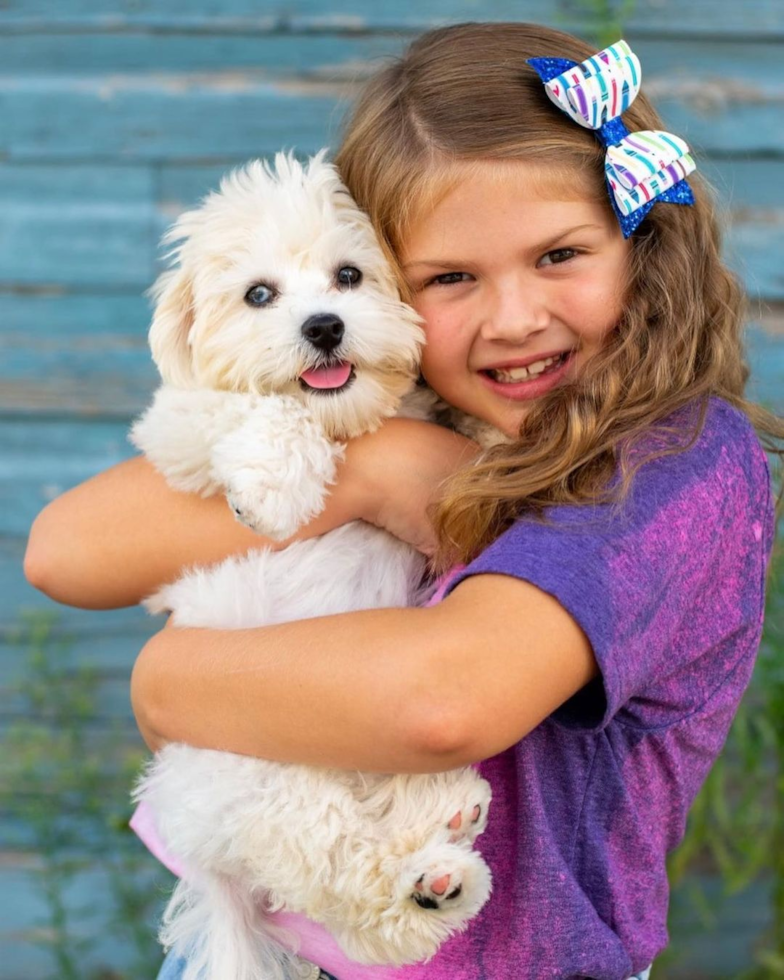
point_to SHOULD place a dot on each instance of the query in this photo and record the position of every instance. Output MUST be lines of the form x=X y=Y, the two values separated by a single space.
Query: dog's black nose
x=323 y=330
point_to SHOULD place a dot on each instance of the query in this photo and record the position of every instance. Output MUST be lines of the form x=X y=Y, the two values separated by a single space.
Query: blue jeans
x=174 y=967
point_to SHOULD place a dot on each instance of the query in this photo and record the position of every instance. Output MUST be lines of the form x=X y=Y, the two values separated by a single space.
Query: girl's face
x=518 y=285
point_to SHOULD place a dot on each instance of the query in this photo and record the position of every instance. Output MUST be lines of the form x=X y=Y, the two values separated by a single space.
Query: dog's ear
x=171 y=325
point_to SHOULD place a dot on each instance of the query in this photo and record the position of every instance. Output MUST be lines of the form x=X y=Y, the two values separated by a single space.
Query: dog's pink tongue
x=334 y=376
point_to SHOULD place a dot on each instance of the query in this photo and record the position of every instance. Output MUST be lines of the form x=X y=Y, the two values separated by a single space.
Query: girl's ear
x=171 y=325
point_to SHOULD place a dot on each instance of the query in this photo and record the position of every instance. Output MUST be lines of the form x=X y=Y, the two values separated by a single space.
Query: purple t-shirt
x=669 y=589
x=670 y=592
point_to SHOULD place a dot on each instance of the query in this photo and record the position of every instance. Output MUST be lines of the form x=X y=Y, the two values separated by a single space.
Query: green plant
x=602 y=21
x=65 y=783
x=736 y=826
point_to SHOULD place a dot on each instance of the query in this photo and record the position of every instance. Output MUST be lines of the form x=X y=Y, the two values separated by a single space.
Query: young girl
x=605 y=607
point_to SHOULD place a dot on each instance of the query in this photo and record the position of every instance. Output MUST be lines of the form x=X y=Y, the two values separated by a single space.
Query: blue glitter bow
x=640 y=168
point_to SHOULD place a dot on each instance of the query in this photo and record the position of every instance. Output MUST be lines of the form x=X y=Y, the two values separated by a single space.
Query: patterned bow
x=641 y=168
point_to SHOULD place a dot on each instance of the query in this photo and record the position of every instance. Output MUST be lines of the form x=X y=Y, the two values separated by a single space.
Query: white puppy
x=279 y=333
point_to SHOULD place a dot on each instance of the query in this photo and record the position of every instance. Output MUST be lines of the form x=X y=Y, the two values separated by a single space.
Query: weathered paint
x=700 y=17
x=115 y=117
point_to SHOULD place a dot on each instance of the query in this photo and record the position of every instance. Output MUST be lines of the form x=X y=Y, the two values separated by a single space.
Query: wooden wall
x=116 y=116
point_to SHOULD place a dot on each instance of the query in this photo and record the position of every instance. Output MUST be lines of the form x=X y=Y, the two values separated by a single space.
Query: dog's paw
x=429 y=894
x=431 y=891
x=269 y=512
x=468 y=824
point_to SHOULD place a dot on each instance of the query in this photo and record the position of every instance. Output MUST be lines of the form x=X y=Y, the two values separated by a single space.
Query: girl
x=605 y=607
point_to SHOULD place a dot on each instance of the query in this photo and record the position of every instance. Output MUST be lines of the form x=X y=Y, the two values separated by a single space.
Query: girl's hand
x=401 y=467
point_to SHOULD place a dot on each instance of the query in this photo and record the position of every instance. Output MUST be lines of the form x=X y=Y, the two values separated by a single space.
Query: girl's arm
x=392 y=690
x=121 y=535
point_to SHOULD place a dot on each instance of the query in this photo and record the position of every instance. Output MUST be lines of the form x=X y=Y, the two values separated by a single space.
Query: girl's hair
x=464 y=95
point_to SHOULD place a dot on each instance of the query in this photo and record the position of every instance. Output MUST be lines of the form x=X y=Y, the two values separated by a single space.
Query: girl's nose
x=517 y=314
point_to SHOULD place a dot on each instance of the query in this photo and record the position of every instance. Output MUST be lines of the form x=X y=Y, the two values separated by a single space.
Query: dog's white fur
x=355 y=852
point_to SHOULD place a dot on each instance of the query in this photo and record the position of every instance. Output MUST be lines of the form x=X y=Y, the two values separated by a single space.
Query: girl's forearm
x=359 y=690
x=386 y=690
x=121 y=535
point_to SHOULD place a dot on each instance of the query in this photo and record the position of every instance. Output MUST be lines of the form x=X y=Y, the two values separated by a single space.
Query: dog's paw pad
x=466 y=823
x=433 y=891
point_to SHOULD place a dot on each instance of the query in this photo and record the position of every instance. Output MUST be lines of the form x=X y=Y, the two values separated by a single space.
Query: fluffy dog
x=279 y=333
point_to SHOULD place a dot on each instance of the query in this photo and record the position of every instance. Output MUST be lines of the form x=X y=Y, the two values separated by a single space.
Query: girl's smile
x=519 y=280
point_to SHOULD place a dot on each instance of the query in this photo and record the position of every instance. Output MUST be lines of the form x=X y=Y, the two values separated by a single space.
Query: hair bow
x=640 y=168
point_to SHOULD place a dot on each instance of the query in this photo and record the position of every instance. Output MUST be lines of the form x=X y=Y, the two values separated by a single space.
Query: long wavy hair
x=464 y=94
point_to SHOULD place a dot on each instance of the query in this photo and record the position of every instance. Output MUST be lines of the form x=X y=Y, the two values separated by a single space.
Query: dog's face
x=282 y=288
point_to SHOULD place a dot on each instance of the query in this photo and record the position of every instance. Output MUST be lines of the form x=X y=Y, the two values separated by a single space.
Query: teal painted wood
x=63 y=258
x=112 y=693
x=317 y=56
x=766 y=359
x=25 y=958
x=40 y=460
x=112 y=654
x=78 y=245
x=741 y=183
x=752 y=18
x=87 y=316
x=88 y=227
x=326 y=57
x=47 y=119
x=65 y=225
x=215 y=116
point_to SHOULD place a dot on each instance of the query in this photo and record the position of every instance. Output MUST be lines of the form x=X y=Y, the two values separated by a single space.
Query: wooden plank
x=78 y=224
x=53 y=312
x=47 y=372
x=744 y=185
x=91 y=227
x=111 y=655
x=41 y=460
x=26 y=915
x=228 y=115
x=327 y=57
x=268 y=54
x=740 y=183
x=766 y=358
x=78 y=245
x=112 y=693
x=130 y=118
x=700 y=17
x=111 y=376
x=753 y=249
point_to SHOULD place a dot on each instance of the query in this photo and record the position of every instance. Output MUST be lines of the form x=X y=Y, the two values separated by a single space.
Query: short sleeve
x=672 y=575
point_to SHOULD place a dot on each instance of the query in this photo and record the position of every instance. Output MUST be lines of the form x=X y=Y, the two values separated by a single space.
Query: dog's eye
x=259 y=295
x=349 y=276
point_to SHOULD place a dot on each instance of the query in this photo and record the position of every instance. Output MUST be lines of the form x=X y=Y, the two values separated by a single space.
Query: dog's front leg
x=178 y=431
x=276 y=467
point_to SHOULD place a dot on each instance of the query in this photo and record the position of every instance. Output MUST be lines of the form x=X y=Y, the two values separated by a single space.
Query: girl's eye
x=260 y=295
x=447 y=278
x=558 y=256
x=349 y=276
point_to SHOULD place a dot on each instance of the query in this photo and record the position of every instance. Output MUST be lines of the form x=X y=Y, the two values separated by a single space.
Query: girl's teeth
x=523 y=373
